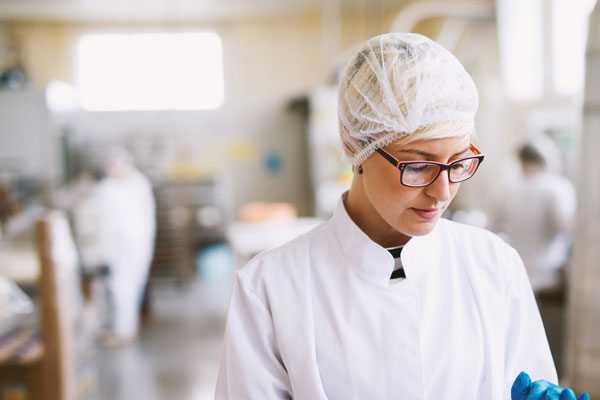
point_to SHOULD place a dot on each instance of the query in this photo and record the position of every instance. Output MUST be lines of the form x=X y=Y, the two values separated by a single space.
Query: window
x=569 y=36
x=150 y=71
x=521 y=35
x=525 y=31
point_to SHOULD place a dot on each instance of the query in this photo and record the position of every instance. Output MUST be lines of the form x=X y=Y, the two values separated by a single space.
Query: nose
x=440 y=188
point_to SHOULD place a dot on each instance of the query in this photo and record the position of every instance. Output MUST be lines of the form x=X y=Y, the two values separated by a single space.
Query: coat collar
x=372 y=260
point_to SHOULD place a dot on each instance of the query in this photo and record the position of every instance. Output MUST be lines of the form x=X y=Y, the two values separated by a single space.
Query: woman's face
x=405 y=210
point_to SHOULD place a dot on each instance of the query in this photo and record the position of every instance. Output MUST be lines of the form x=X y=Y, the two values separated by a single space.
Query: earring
x=360 y=170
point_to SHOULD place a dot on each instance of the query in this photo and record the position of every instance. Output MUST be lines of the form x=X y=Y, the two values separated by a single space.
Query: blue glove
x=524 y=389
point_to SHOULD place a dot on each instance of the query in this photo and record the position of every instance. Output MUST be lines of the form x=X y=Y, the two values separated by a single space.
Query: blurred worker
x=125 y=212
x=387 y=300
x=537 y=214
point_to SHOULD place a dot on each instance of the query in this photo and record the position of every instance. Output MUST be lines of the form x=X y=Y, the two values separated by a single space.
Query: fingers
x=567 y=394
x=544 y=390
x=524 y=389
x=520 y=387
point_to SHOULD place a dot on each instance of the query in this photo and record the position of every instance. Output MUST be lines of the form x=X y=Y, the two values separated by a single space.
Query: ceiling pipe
x=412 y=14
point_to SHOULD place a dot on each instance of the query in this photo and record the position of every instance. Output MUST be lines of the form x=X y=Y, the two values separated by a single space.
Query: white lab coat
x=319 y=318
x=537 y=217
x=126 y=212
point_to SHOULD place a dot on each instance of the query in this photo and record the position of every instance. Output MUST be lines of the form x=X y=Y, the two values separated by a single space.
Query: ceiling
x=174 y=10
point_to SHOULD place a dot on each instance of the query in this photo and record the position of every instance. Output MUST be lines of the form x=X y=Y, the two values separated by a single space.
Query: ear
x=357 y=169
x=346 y=141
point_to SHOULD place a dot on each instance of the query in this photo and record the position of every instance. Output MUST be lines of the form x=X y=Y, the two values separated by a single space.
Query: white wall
x=267 y=63
x=27 y=149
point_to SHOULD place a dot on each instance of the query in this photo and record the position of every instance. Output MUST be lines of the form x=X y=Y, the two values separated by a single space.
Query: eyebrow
x=429 y=155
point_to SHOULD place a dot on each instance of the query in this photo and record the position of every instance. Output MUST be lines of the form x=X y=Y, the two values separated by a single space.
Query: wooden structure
x=43 y=363
x=59 y=302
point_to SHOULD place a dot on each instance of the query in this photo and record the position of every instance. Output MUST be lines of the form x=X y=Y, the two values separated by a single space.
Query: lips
x=428 y=213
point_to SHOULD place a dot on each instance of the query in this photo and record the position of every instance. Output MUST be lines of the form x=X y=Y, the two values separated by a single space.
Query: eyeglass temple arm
x=388 y=157
x=475 y=149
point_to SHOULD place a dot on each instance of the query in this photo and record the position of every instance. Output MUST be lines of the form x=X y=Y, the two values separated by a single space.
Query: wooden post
x=58 y=290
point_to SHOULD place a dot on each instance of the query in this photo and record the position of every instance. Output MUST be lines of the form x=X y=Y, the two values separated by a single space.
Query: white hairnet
x=399 y=83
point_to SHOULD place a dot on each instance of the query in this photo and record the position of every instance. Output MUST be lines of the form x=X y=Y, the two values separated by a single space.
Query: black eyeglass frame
x=401 y=165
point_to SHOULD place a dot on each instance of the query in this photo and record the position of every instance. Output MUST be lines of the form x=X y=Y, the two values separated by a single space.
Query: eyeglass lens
x=423 y=173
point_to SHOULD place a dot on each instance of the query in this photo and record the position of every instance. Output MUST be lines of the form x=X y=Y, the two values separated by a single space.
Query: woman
x=387 y=300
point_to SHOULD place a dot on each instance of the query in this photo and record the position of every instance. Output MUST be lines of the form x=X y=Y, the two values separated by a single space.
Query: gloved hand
x=524 y=389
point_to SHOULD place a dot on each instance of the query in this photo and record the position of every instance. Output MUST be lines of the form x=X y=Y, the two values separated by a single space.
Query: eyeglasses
x=424 y=173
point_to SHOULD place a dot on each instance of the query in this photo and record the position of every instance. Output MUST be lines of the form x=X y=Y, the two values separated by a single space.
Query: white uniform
x=127 y=228
x=319 y=318
x=537 y=216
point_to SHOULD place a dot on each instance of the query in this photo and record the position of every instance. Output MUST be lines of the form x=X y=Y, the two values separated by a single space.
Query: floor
x=177 y=354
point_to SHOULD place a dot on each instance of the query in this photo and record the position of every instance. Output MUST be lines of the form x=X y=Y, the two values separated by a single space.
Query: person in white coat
x=125 y=210
x=541 y=232
x=386 y=300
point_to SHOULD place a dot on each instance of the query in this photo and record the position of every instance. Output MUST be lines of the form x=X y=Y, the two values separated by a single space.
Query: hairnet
x=402 y=85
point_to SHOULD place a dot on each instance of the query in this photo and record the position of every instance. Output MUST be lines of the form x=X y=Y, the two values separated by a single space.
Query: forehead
x=443 y=145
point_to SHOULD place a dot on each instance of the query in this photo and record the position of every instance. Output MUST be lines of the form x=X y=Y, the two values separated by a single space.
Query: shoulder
x=287 y=261
x=136 y=177
x=553 y=184
x=482 y=252
x=471 y=236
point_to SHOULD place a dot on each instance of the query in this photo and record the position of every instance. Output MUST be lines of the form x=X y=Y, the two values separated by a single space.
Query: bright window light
x=521 y=48
x=569 y=34
x=150 y=71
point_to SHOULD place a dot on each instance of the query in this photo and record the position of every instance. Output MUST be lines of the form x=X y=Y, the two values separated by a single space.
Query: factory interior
x=225 y=113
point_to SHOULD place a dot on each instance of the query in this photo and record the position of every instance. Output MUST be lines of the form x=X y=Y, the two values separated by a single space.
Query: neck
x=364 y=215
x=530 y=170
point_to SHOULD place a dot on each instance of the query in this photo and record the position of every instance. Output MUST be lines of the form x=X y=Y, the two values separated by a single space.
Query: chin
x=420 y=229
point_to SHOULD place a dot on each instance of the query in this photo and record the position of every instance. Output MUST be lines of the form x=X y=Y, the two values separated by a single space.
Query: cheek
x=453 y=191
x=380 y=183
x=389 y=197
